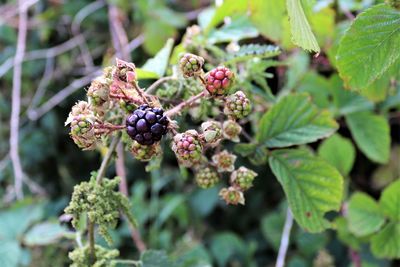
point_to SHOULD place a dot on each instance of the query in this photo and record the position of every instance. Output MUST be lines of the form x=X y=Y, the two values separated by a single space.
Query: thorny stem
x=177 y=109
x=280 y=262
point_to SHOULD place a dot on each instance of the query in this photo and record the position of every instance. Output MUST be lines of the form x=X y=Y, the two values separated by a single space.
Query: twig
x=118 y=34
x=177 y=109
x=75 y=28
x=16 y=100
x=11 y=13
x=121 y=261
x=35 y=114
x=280 y=262
x=123 y=188
x=107 y=158
x=152 y=88
x=42 y=53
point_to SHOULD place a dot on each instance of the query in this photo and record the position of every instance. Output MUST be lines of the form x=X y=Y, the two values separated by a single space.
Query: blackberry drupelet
x=146 y=125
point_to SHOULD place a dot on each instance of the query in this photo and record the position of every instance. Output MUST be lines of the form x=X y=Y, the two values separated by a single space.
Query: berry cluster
x=115 y=96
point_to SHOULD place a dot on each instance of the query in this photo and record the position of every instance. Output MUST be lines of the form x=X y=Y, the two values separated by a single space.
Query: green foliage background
x=336 y=117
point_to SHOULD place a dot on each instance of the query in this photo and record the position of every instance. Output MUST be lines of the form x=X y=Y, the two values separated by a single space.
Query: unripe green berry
x=237 y=105
x=207 y=177
x=212 y=131
x=231 y=130
x=224 y=161
x=232 y=195
x=191 y=65
x=243 y=178
x=144 y=152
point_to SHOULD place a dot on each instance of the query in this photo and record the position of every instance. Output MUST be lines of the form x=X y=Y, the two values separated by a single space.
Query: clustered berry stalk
x=116 y=103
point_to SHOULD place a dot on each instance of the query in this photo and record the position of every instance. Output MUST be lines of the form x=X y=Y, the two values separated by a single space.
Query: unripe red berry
x=219 y=81
x=188 y=148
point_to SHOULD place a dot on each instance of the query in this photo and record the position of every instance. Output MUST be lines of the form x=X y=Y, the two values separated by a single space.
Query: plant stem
x=280 y=262
x=107 y=159
x=175 y=110
x=121 y=261
x=91 y=241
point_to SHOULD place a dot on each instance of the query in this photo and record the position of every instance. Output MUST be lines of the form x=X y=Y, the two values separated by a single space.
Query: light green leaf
x=155 y=258
x=372 y=135
x=240 y=28
x=369 y=47
x=312 y=186
x=339 y=152
x=44 y=234
x=390 y=201
x=344 y=234
x=300 y=28
x=156 y=35
x=159 y=63
x=10 y=253
x=228 y=8
x=386 y=243
x=225 y=245
x=14 y=222
x=271 y=227
x=247 y=52
x=270 y=26
x=347 y=101
x=364 y=215
x=145 y=74
x=294 y=120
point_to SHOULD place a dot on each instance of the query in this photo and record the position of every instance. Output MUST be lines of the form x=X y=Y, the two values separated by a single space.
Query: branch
x=280 y=262
x=16 y=100
x=43 y=53
x=177 y=109
x=35 y=114
x=107 y=158
x=75 y=28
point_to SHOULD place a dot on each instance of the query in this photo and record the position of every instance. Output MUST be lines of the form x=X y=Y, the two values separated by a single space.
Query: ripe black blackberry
x=147 y=125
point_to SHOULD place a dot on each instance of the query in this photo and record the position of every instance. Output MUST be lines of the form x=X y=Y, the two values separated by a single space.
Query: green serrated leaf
x=159 y=63
x=345 y=235
x=364 y=215
x=369 y=47
x=390 y=201
x=245 y=149
x=339 y=152
x=372 y=135
x=386 y=243
x=271 y=227
x=300 y=28
x=247 y=52
x=294 y=120
x=311 y=185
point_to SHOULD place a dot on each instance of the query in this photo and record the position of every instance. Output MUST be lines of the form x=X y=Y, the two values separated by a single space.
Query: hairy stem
x=280 y=262
x=91 y=241
x=177 y=109
x=107 y=159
